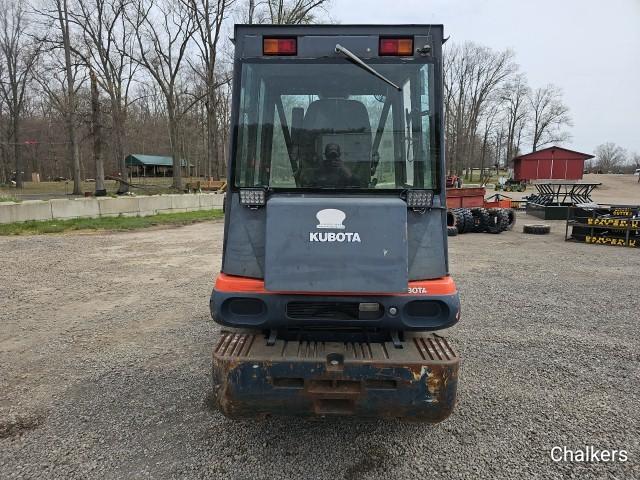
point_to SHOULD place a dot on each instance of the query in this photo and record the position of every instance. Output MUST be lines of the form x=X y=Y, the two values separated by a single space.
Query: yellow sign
x=620 y=242
x=613 y=222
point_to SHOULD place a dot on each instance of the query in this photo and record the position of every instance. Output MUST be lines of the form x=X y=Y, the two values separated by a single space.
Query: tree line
x=85 y=82
x=491 y=112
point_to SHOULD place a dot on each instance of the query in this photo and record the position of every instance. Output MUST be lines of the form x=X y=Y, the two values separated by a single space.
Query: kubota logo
x=332 y=218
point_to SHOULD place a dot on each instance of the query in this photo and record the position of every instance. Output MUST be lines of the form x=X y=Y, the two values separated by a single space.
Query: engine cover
x=348 y=244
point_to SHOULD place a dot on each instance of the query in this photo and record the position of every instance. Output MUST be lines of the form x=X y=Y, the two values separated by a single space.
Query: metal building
x=553 y=163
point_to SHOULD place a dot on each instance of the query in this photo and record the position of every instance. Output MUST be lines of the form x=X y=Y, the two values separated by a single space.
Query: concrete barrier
x=25 y=211
x=77 y=208
x=154 y=205
x=184 y=203
x=11 y=212
x=211 y=201
x=125 y=206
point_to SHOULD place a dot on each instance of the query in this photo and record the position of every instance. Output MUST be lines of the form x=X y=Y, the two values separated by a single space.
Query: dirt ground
x=105 y=351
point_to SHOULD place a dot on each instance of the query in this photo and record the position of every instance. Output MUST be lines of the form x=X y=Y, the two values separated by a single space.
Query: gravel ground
x=105 y=355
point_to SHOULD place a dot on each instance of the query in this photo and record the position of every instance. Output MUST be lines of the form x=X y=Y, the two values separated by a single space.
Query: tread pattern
x=481 y=220
x=536 y=229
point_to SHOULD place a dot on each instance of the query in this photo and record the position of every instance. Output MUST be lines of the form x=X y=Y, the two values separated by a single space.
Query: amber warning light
x=396 y=46
x=279 y=46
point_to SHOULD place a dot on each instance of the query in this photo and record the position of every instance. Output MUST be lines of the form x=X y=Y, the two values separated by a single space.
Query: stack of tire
x=479 y=220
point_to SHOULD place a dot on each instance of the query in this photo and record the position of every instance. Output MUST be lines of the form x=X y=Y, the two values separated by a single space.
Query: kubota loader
x=334 y=272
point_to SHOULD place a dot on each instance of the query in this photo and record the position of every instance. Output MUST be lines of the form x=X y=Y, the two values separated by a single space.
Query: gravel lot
x=105 y=355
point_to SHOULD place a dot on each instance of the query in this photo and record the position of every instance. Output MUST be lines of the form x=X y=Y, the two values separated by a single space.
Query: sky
x=589 y=48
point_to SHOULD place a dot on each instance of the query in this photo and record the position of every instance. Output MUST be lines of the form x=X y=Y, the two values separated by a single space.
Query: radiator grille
x=329 y=310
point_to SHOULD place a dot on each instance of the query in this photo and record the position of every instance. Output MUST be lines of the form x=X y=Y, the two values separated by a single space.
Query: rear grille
x=329 y=310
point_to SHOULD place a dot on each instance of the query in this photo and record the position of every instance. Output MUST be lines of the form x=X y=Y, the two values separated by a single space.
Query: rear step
x=370 y=379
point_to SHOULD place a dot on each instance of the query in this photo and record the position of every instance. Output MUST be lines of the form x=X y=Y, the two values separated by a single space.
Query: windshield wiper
x=351 y=56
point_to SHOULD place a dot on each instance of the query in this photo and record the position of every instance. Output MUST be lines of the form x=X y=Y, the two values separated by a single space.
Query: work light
x=252 y=197
x=419 y=198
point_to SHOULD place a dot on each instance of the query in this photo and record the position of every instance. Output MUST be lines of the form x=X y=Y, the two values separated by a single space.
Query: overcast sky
x=590 y=48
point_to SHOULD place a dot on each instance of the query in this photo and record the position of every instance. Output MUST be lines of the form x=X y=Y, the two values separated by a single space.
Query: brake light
x=396 y=46
x=279 y=46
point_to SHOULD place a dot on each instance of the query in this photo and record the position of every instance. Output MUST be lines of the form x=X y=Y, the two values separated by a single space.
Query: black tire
x=480 y=219
x=459 y=219
x=452 y=220
x=494 y=223
x=511 y=218
x=452 y=231
x=536 y=229
x=468 y=220
x=503 y=219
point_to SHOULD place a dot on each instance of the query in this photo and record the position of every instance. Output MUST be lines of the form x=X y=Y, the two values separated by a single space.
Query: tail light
x=401 y=47
x=279 y=46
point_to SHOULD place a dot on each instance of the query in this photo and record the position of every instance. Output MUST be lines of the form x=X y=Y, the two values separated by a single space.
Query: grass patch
x=108 y=223
x=8 y=199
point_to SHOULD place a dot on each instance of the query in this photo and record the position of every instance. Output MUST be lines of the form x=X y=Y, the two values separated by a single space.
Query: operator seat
x=343 y=122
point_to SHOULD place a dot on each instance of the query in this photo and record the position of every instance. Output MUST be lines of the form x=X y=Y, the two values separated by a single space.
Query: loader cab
x=335 y=212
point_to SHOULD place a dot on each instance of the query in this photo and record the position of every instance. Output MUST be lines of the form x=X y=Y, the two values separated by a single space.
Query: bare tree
x=96 y=133
x=610 y=156
x=163 y=30
x=289 y=12
x=208 y=17
x=106 y=48
x=548 y=115
x=489 y=124
x=294 y=12
x=18 y=54
x=516 y=112
x=473 y=75
x=55 y=14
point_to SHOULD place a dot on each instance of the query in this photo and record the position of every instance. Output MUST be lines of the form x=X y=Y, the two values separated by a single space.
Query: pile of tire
x=479 y=220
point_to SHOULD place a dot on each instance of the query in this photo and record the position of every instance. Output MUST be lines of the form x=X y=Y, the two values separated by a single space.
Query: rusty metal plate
x=312 y=378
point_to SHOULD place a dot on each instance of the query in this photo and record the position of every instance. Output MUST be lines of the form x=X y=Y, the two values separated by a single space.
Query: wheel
x=451 y=219
x=507 y=188
x=503 y=218
x=452 y=231
x=468 y=220
x=511 y=217
x=494 y=223
x=536 y=229
x=459 y=219
x=480 y=219
x=522 y=187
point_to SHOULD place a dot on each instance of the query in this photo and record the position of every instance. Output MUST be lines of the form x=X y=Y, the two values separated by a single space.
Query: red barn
x=553 y=163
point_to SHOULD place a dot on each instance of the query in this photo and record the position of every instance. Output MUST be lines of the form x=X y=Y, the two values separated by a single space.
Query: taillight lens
x=396 y=46
x=279 y=46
